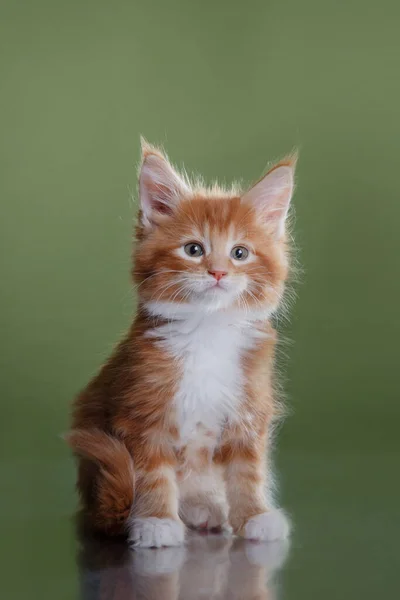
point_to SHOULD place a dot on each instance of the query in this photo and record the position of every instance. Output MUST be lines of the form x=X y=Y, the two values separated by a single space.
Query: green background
x=226 y=86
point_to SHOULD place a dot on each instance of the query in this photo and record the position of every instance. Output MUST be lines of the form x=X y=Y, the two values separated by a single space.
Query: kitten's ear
x=160 y=186
x=271 y=195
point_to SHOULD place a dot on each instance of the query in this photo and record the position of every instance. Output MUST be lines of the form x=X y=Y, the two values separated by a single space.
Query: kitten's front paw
x=205 y=516
x=267 y=527
x=153 y=532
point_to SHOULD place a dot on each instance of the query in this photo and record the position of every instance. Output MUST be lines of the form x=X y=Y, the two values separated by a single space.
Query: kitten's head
x=208 y=249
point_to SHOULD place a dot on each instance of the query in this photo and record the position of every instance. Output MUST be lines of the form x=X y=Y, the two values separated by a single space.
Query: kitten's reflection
x=211 y=567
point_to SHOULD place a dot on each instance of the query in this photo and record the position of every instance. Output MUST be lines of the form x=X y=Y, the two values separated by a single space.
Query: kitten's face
x=207 y=250
x=211 y=253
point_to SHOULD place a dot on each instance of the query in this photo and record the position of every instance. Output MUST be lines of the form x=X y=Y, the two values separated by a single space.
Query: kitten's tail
x=106 y=478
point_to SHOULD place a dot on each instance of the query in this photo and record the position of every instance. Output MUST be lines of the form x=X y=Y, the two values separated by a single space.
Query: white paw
x=155 y=533
x=202 y=516
x=267 y=527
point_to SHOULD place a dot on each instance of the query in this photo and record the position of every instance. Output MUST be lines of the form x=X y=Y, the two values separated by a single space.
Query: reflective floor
x=344 y=544
x=209 y=566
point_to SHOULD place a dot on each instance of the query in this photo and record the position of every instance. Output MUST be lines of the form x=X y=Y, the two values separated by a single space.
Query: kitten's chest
x=210 y=351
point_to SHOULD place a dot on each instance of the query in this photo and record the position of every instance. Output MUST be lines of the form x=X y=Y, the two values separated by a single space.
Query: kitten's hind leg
x=203 y=503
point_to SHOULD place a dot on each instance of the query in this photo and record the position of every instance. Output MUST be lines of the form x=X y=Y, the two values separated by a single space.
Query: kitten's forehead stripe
x=219 y=216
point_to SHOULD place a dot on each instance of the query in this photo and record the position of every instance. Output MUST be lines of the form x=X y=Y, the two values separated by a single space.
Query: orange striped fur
x=174 y=430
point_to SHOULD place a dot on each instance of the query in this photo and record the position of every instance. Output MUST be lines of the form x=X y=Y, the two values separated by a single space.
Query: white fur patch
x=210 y=347
x=185 y=311
x=156 y=533
x=267 y=527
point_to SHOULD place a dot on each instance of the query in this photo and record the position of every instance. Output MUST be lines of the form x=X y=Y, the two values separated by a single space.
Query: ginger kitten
x=175 y=428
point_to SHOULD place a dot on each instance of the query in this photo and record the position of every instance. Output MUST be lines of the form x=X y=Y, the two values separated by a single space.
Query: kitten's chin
x=224 y=304
x=215 y=298
x=183 y=310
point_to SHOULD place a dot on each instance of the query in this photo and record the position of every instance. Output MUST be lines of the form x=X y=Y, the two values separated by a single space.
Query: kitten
x=175 y=428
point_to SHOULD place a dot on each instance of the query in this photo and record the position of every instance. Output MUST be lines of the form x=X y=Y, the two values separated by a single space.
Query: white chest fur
x=210 y=350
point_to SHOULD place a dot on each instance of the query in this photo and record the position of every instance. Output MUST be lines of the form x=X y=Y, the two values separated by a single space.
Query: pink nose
x=218 y=275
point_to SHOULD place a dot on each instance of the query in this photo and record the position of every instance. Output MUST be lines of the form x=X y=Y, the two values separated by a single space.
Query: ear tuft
x=290 y=160
x=148 y=148
x=144 y=145
x=271 y=195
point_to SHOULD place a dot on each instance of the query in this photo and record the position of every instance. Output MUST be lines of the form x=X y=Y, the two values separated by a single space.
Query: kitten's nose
x=218 y=275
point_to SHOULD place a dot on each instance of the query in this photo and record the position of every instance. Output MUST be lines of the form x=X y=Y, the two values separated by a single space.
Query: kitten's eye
x=239 y=253
x=194 y=249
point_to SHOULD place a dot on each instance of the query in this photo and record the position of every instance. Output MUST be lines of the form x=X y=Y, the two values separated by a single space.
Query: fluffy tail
x=106 y=478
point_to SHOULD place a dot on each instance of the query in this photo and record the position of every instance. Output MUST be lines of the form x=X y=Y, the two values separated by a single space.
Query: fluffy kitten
x=174 y=430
